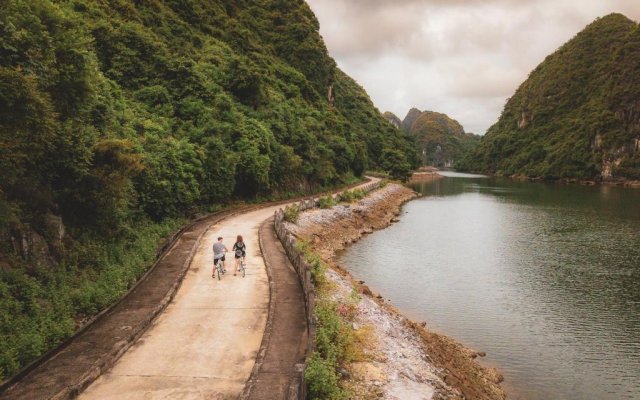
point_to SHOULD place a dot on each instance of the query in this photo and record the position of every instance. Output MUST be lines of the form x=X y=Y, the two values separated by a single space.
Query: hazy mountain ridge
x=578 y=113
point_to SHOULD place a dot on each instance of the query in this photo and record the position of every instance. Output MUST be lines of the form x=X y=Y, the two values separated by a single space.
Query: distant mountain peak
x=410 y=118
x=441 y=140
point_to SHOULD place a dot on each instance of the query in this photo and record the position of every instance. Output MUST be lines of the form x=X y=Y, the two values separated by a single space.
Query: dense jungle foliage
x=578 y=113
x=440 y=140
x=120 y=118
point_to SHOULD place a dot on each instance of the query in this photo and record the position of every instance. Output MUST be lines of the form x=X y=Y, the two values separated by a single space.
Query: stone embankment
x=405 y=360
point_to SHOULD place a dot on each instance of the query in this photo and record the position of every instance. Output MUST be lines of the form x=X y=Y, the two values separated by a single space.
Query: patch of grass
x=292 y=213
x=318 y=267
x=333 y=338
x=346 y=196
x=327 y=202
x=358 y=194
x=363 y=338
x=377 y=174
x=349 y=196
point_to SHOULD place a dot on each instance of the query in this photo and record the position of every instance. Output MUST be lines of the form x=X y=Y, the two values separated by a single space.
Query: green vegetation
x=349 y=196
x=120 y=117
x=40 y=305
x=291 y=213
x=577 y=115
x=326 y=201
x=441 y=141
x=334 y=335
x=318 y=267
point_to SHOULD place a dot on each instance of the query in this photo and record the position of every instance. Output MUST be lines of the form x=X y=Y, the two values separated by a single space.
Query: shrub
x=318 y=267
x=347 y=196
x=333 y=337
x=322 y=379
x=292 y=213
x=358 y=194
x=327 y=201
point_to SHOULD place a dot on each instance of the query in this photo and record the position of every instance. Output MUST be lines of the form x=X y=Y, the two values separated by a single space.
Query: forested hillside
x=441 y=141
x=119 y=118
x=578 y=113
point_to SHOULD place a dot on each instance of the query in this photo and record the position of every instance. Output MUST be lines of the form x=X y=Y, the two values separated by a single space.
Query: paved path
x=205 y=343
x=203 y=346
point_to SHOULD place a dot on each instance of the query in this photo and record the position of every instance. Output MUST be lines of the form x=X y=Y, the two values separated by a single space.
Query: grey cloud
x=356 y=32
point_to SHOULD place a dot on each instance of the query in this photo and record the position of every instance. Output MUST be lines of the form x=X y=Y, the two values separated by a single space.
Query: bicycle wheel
x=243 y=265
x=219 y=268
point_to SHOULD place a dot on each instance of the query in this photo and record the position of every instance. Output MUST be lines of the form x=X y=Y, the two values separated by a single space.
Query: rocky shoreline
x=403 y=358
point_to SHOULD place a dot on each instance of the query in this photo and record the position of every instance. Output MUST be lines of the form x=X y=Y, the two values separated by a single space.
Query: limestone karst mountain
x=441 y=141
x=578 y=113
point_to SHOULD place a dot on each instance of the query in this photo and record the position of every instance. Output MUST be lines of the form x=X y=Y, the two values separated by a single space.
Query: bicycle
x=219 y=268
x=243 y=266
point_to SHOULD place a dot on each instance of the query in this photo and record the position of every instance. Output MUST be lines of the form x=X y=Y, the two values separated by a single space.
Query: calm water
x=545 y=278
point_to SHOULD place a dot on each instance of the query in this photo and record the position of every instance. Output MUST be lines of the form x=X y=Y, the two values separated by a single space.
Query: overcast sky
x=460 y=57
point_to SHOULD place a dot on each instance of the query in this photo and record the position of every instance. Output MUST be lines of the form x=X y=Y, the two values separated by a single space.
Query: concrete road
x=205 y=343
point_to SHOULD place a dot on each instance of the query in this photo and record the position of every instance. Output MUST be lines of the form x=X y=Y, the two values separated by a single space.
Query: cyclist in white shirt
x=218 y=254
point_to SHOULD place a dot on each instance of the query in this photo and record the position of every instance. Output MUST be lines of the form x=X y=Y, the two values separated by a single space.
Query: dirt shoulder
x=406 y=359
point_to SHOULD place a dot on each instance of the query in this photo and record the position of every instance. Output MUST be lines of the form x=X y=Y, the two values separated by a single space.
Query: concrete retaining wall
x=297 y=390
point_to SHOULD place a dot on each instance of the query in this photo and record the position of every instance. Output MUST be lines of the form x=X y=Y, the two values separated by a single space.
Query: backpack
x=239 y=249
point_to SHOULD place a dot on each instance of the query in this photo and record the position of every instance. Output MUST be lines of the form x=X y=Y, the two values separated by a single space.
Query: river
x=545 y=278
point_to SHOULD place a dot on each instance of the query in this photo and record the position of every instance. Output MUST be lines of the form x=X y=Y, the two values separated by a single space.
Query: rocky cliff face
x=393 y=119
x=410 y=118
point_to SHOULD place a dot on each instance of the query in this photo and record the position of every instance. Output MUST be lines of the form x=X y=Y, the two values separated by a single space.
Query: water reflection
x=543 y=277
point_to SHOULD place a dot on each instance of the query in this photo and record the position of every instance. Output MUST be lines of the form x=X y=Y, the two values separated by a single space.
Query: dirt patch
x=404 y=359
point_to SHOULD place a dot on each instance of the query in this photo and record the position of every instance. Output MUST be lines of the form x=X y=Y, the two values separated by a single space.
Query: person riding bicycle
x=218 y=254
x=240 y=251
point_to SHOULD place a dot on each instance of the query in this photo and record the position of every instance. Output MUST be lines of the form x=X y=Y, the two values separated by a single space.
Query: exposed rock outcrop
x=391 y=117
x=410 y=118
